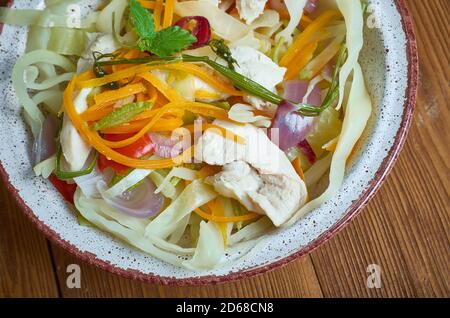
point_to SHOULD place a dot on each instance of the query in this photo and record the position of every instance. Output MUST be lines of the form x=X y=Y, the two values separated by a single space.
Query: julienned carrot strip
x=114 y=95
x=157 y=14
x=227 y=219
x=150 y=113
x=142 y=70
x=320 y=61
x=140 y=97
x=198 y=108
x=208 y=171
x=204 y=75
x=147 y=4
x=136 y=126
x=297 y=164
x=300 y=61
x=126 y=73
x=219 y=131
x=305 y=21
x=303 y=39
x=168 y=13
x=94 y=139
x=83 y=77
x=97 y=114
x=203 y=94
x=217 y=209
x=171 y=94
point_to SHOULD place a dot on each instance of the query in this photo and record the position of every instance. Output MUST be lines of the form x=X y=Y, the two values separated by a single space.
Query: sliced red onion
x=88 y=183
x=140 y=202
x=44 y=145
x=307 y=150
x=295 y=90
x=201 y=29
x=327 y=72
x=166 y=146
x=293 y=127
x=311 y=6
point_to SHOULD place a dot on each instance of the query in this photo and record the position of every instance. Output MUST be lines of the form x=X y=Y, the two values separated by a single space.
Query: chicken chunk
x=259 y=68
x=257 y=174
x=250 y=10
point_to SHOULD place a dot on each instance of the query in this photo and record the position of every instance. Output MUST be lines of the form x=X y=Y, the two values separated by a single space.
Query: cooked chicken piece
x=257 y=174
x=259 y=68
x=249 y=10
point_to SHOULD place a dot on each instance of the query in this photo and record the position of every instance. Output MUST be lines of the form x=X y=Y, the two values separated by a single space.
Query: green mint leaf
x=171 y=40
x=142 y=20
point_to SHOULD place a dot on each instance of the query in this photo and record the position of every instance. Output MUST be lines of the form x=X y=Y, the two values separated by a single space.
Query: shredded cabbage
x=358 y=111
x=127 y=182
x=242 y=113
x=226 y=26
x=88 y=183
x=251 y=231
x=46 y=167
x=268 y=19
x=317 y=171
x=104 y=20
x=169 y=190
x=295 y=8
x=32 y=114
x=91 y=213
x=354 y=20
x=67 y=41
x=177 y=234
x=210 y=248
x=182 y=173
x=193 y=196
x=50 y=98
x=32 y=74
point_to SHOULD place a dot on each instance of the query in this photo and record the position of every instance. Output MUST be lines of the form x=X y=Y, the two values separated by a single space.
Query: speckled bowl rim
x=356 y=207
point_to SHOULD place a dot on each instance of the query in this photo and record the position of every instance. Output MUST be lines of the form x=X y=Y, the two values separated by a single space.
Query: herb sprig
x=245 y=83
x=223 y=51
x=162 y=43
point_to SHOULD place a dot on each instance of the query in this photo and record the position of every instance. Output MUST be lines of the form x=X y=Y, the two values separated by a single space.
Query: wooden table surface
x=405 y=229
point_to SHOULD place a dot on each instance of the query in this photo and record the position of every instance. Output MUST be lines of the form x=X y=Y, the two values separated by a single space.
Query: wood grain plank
x=297 y=279
x=405 y=229
x=294 y=280
x=94 y=281
x=25 y=264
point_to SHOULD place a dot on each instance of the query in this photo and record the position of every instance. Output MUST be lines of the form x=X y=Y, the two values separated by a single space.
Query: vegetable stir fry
x=191 y=128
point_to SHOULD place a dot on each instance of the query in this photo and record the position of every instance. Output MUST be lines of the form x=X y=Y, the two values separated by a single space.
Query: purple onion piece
x=311 y=6
x=140 y=202
x=44 y=146
x=165 y=146
x=201 y=29
x=293 y=127
x=307 y=150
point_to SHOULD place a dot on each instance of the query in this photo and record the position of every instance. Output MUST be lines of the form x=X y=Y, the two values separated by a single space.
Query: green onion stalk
x=244 y=83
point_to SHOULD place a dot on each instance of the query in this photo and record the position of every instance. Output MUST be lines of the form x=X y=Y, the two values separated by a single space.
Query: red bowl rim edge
x=352 y=211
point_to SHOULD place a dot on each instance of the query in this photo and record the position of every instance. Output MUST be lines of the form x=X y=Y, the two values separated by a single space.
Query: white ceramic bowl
x=389 y=61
